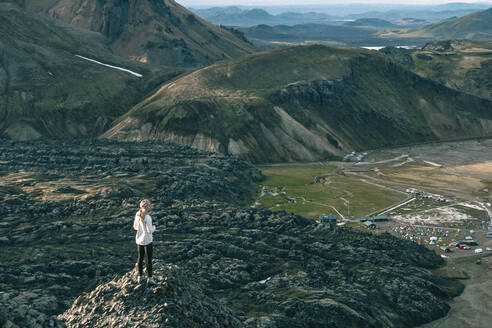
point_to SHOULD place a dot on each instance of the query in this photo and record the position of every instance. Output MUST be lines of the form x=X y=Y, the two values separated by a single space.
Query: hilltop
x=464 y=65
x=159 y=32
x=175 y=301
x=304 y=103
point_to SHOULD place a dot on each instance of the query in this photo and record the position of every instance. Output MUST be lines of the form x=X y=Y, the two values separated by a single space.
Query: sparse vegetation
x=464 y=65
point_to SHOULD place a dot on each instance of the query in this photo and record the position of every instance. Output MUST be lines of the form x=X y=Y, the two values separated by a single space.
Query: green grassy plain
x=318 y=190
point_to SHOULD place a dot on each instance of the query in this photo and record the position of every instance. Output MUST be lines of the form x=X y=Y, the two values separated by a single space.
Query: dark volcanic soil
x=66 y=213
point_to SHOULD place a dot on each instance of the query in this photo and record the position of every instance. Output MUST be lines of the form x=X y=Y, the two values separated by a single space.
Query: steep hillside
x=152 y=31
x=49 y=92
x=304 y=103
x=464 y=65
x=475 y=26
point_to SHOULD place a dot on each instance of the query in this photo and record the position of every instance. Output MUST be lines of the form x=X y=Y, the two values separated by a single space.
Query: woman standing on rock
x=144 y=227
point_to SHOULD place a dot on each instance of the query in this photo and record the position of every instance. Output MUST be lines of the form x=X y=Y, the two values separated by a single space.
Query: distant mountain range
x=475 y=26
x=403 y=15
x=357 y=33
x=429 y=14
x=372 y=32
x=309 y=32
x=235 y=16
x=304 y=103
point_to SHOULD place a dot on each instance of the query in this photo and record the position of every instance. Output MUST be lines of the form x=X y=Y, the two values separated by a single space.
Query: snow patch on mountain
x=110 y=66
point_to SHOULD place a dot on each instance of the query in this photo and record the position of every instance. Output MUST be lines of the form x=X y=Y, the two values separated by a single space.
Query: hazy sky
x=190 y=3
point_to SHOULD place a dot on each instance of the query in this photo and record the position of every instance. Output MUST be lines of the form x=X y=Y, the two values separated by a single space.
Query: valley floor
x=440 y=190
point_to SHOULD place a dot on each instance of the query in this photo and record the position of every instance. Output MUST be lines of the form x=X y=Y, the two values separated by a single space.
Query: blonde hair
x=144 y=206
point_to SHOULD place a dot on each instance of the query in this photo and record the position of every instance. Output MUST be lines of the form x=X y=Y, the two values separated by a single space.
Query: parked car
x=468 y=238
x=466 y=247
x=488 y=249
x=478 y=251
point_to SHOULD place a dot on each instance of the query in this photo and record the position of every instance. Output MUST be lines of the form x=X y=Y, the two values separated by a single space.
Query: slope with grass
x=475 y=26
x=49 y=92
x=304 y=103
x=152 y=31
x=464 y=65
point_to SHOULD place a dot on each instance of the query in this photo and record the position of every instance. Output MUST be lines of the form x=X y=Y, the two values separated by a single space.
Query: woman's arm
x=150 y=227
x=135 y=223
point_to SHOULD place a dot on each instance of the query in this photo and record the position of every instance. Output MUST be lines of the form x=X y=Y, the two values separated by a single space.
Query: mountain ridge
x=304 y=103
x=159 y=32
x=474 y=26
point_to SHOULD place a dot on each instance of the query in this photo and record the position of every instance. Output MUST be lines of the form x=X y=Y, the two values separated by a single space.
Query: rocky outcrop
x=14 y=314
x=80 y=193
x=175 y=301
x=67 y=211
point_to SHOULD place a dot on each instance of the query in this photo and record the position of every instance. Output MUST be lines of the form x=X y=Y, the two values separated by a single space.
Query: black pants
x=142 y=251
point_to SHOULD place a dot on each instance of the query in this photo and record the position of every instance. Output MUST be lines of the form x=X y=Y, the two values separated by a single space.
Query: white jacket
x=144 y=233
